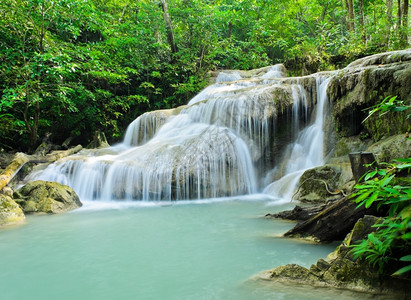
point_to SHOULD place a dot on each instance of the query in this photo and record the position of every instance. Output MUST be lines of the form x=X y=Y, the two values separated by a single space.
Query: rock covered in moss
x=341 y=270
x=47 y=197
x=394 y=147
x=10 y=211
x=346 y=145
x=365 y=83
x=99 y=140
x=323 y=183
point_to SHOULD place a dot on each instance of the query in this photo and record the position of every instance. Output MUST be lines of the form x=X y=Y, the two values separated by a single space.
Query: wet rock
x=99 y=140
x=46 y=197
x=365 y=83
x=323 y=183
x=346 y=145
x=10 y=211
x=394 y=147
x=341 y=270
x=146 y=126
x=299 y=213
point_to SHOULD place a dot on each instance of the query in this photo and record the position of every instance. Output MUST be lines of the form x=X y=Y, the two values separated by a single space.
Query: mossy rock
x=10 y=211
x=341 y=270
x=394 y=147
x=387 y=125
x=323 y=183
x=47 y=197
x=365 y=83
x=347 y=145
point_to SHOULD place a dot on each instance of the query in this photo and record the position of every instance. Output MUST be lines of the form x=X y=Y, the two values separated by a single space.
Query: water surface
x=136 y=250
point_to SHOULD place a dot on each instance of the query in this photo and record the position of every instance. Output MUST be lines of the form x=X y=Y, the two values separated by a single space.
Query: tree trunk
x=333 y=223
x=122 y=13
x=169 y=27
x=405 y=22
x=389 y=20
x=299 y=213
x=362 y=20
x=359 y=163
x=350 y=14
x=389 y=12
x=20 y=159
x=34 y=128
x=399 y=15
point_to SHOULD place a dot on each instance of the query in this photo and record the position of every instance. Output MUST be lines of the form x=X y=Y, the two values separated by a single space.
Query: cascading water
x=306 y=152
x=213 y=147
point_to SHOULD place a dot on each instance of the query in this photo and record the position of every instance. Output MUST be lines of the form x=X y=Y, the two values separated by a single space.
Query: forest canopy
x=71 y=67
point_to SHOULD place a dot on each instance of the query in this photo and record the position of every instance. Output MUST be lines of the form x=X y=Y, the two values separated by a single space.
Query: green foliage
x=392 y=239
x=70 y=67
x=389 y=104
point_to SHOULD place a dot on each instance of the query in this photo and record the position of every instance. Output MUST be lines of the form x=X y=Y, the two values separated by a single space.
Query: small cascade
x=142 y=129
x=306 y=152
x=216 y=146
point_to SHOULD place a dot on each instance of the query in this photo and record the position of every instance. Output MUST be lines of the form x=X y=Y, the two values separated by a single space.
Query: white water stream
x=216 y=146
x=306 y=152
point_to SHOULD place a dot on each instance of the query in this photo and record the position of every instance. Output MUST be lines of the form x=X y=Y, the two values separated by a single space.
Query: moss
x=387 y=125
x=365 y=84
x=317 y=183
x=10 y=211
x=47 y=197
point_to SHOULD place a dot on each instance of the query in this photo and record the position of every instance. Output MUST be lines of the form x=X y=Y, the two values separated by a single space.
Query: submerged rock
x=341 y=270
x=10 y=211
x=46 y=197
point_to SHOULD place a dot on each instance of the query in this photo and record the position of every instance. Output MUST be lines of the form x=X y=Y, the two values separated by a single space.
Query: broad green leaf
x=406 y=258
x=403 y=270
x=386 y=180
x=371 y=199
x=363 y=196
x=370 y=175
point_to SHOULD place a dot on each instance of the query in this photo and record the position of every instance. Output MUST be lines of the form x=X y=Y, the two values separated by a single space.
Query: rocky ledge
x=341 y=270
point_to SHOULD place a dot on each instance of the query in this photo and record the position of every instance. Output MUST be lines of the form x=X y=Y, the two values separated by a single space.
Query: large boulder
x=341 y=270
x=394 y=147
x=10 y=211
x=46 y=197
x=323 y=183
x=365 y=83
x=347 y=145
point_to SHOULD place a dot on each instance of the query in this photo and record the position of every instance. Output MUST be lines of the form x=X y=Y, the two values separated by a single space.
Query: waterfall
x=306 y=152
x=218 y=145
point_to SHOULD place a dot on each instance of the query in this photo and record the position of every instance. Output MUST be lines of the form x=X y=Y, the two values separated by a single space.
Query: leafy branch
x=391 y=241
x=389 y=104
